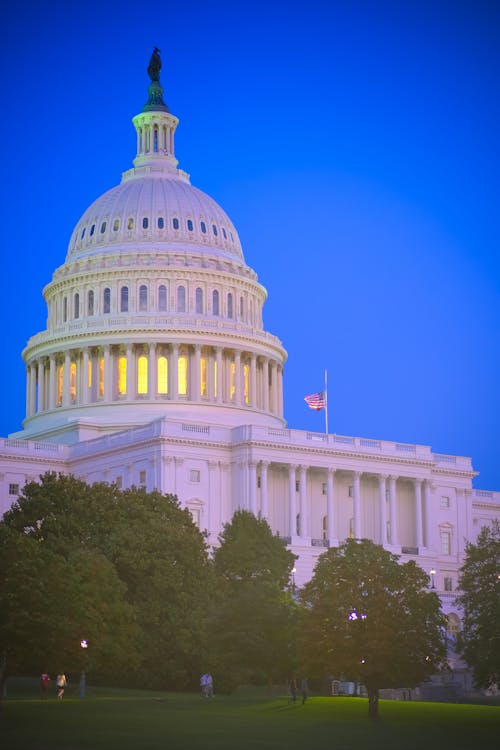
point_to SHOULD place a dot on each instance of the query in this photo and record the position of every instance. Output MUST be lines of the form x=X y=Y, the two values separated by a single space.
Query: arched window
x=116 y=225
x=60 y=377
x=124 y=299
x=92 y=229
x=155 y=139
x=215 y=302
x=224 y=233
x=232 y=380
x=161 y=222
x=181 y=299
x=199 y=300
x=72 y=382
x=83 y=233
x=182 y=375
x=229 y=305
x=65 y=309
x=203 y=376
x=143 y=298
x=145 y=222
x=190 y=225
x=103 y=227
x=162 y=375
x=90 y=303
x=122 y=375
x=106 y=300
x=214 y=230
x=175 y=223
x=130 y=223
x=76 y=310
x=101 y=377
x=142 y=375
x=203 y=227
x=162 y=298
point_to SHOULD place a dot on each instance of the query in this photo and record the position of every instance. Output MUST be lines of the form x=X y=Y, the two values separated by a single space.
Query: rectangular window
x=142 y=477
x=323 y=488
x=196 y=516
x=60 y=375
x=101 y=377
x=351 y=528
x=448 y=583
x=444 y=502
x=351 y=491
x=182 y=375
x=258 y=483
x=445 y=543
x=203 y=376
x=297 y=486
x=13 y=489
x=122 y=376
x=194 y=475
x=72 y=382
x=89 y=374
x=119 y=482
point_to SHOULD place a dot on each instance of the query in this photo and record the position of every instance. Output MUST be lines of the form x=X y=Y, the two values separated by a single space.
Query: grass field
x=139 y=720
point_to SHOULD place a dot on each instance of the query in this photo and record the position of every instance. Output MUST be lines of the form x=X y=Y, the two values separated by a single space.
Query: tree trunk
x=373 y=703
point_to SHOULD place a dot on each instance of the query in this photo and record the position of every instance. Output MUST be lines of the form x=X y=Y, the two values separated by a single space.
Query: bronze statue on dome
x=154 y=66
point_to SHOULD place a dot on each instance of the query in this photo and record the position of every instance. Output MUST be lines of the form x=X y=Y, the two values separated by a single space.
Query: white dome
x=154 y=210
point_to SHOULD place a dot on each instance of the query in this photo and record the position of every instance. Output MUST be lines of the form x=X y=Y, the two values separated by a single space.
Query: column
x=417 y=486
x=32 y=389
x=67 y=365
x=292 y=506
x=252 y=481
x=330 y=523
x=253 y=381
x=52 y=381
x=108 y=395
x=152 y=372
x=274 y=387
x=130 y=372
x=41 y=385
x=279 y=410
x=382 y=491
x=219 y=374
x=265 y=384
x=393 y=511
x=427 y=514
x=237 y=377
x=264 y=507
x=304 y=526
x=85 y=376
x=173 y=372
x=356 y=501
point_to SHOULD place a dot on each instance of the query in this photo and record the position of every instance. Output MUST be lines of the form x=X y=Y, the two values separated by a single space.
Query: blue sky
x=354 y=145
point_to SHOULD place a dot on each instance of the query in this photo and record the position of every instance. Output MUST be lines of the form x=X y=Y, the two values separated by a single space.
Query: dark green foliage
x=370 y=619
x=253 y=614
x=130 y=549
x=479 y=583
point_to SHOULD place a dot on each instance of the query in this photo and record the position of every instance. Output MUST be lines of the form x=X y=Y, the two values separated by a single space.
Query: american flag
x=316 y=401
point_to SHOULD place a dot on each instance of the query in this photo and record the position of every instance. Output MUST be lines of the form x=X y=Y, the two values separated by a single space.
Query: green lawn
x=138 y=720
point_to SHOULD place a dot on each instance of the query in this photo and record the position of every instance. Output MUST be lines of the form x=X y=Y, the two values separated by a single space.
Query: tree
x=371 y=619
x=253 y=612
x=479 y=583
x=156 y=552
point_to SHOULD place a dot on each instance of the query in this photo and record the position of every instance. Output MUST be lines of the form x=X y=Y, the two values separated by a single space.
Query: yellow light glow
x=60 y=371
x=162 y=375
x=246 y=382
x=203 y=376
x=142 y=375
x=232 y=380
x=89 y=374
x=182 y=375
x=72 y=382
x=101 y=377
x=215 y=378
x=122 y=376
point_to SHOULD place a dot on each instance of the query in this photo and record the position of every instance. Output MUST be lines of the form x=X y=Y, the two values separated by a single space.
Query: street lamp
x=294 y=570
x=433 y=573
x=84 y=646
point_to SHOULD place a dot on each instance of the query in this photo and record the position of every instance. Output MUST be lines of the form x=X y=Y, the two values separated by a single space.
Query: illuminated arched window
x=143 y=298
x=60 y=373
x=122 y=376
x=215 y=302
x=203 y=376
x=229 y=305
x=162 y=298
x=162 y=375
x=101 y=377
x=106 y=299
x=142 y=375
x=232 y=380
x=76 y=311
x=65 y=309
x=89 y=374
x=199 y=300
x=124 y=299
x=181 y=299
x=72 y=382
x=215 y=378
x=182 y=375
x=246 y=382
x=90 y=303
x=155 y=139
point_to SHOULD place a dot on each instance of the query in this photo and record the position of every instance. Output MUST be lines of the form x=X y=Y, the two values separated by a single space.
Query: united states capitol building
x=155 y=370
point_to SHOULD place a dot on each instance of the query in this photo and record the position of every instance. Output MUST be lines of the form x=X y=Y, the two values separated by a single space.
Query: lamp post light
x=294 y=570
x=433 y=573
x=84 y=645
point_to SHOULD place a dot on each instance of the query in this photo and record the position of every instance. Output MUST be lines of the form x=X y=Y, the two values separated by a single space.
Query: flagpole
x=326 y=402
